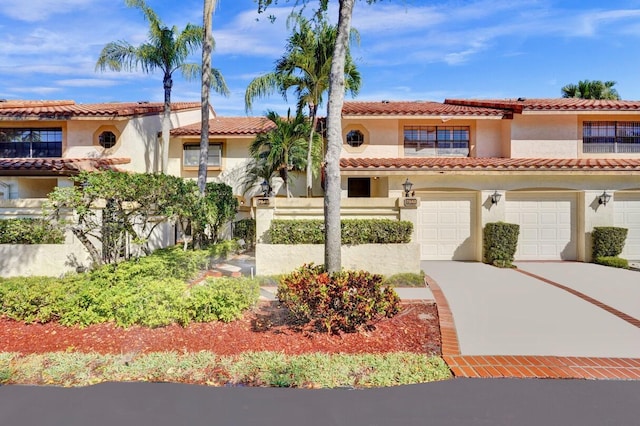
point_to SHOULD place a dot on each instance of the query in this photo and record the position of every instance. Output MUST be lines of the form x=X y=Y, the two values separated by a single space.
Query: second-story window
x=107 y=139
x=191 y=156
x=30 y=142
x=436 y=141
x=603 y=137
x=355 y=138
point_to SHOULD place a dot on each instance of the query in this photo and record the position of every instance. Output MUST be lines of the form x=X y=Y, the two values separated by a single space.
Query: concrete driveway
x=506 y=312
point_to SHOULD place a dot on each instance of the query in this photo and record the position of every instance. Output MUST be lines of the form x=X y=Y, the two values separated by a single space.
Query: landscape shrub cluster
x=245 y=229
x=150 y=291
x=30 y=231
x=353 y=231
x=341 y=301
x=608 y=242
x=500 y=242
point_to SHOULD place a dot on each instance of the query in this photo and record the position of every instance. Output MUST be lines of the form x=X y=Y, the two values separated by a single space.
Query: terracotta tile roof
x=21 y=109
x=415 y=108
x=489 y=164
x=231 y=126
x=57 y=166
x=551 y=104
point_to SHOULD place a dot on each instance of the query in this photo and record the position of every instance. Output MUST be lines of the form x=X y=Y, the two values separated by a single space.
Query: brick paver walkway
x=518 y=366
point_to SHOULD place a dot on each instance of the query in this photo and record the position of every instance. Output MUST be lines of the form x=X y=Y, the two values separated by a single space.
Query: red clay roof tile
x=489 y=164
x=231 y=126
x=549 y=104
x=414 y=108
x=24 y=109
x=57 y=166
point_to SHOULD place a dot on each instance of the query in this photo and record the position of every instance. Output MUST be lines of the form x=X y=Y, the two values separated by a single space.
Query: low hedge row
x=150 y=291
x=29 y=231
x=354 y=231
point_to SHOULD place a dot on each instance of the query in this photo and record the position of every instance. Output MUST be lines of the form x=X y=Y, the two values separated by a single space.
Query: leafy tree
x=166 y=50
x=587 y=89
x=283 y=149
x=113 y=208
x=305 y=68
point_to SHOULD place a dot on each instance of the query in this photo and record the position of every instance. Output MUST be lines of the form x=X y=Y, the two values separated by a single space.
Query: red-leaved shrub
x=342 y=301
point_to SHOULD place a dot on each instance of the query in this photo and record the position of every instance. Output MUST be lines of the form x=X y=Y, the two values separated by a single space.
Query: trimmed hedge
x=500 y=241
x=29 y=231
x=613 y=261
x=354 y=231
x=608 y=241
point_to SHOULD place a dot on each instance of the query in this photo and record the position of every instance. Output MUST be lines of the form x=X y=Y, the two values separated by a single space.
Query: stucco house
x=556 y=167
x=42 y=143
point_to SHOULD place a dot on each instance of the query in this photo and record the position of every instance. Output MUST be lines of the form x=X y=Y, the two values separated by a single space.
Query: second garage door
x=547 y=225
x=627 y=215
x=446 y=226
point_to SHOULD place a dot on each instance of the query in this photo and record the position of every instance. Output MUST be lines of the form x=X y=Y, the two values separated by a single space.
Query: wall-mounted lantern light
x=264 y=187
x=604 y=198
x=495 y=197
x=407 y=187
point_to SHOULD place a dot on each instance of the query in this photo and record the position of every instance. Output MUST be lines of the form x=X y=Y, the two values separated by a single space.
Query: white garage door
x=627 y=215
x=446 y=229
x=547 y=225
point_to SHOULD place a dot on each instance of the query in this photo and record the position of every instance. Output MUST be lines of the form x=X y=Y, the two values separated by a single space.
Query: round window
x=355 y=138
x=107 y=139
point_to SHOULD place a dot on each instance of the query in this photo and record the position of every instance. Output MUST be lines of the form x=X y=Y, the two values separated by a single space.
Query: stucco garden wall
x=385 y=259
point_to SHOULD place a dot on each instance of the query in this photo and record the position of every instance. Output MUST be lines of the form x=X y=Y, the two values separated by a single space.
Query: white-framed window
x=611 y=137
x=191 y=155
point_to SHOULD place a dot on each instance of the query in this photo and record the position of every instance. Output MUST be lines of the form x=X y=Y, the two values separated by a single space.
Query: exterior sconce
x=495 y=197
x=264 y=187
x=407 y=187
x=604 y=198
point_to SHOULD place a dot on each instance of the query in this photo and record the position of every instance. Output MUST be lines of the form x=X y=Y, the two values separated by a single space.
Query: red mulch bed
x=414 y=329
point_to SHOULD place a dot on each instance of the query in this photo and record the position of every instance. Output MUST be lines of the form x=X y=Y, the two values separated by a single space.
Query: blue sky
x=409 y=49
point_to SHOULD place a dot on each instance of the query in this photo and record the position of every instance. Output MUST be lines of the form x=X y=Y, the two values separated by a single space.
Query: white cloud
x=40 y=10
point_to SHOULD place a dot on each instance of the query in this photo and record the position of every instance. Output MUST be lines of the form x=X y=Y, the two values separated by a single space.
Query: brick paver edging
x=544 y=367
x=448 y=333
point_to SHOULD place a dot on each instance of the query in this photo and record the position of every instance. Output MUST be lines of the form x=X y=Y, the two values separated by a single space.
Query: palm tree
x=282 y=149
x=166 y=50
x=305 y=67
x=587 y=89
x=207 y=47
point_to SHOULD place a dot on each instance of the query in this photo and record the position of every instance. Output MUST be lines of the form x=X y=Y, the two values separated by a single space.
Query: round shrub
x=341 y=301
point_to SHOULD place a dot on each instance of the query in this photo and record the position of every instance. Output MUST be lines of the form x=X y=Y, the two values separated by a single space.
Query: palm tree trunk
x=332 y=255
x=313 y=113
x=166 y=121
x=207 y=47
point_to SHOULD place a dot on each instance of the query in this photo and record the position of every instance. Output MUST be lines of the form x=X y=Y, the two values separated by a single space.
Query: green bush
x=149 y=291
x=245 y=229
x=341 y=301
x=500 y=241
x=354 y=231
x=608 y=241
x=29 y=231
x=222 y=299
x=405 y=279
x=614 y=261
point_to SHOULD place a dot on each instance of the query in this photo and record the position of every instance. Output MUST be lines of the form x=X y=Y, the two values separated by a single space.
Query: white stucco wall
x=488 y=138
x=545 y=136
